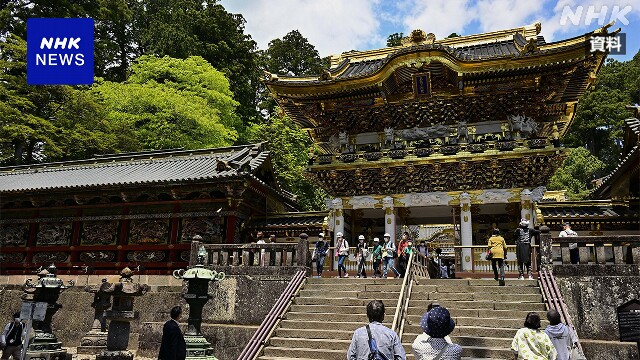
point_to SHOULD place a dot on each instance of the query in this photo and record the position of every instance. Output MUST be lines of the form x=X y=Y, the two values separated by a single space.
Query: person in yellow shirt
x=530 y=343
x=498 y=249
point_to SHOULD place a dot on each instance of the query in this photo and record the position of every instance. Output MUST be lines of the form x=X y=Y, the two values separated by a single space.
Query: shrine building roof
x=143 y=168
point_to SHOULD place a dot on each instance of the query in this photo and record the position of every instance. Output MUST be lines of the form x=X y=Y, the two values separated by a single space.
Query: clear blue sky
x=335 y=26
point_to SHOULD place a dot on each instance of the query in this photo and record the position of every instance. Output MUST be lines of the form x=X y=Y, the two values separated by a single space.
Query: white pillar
x=466 y=231
x=525 y=206
x=389 y=217
x=338 y=217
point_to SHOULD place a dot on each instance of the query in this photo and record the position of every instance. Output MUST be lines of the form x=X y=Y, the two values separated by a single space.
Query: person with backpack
x=388 y=253
x=342 y=251
x=12 y=338
x=524 y=238
x=375 y=341
x=322 y=248
x=562 y=337
x=362 y=252
x=377 y=257
x=574 y=253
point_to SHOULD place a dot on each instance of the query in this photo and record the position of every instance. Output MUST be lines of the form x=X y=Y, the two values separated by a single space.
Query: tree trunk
x=17 y=153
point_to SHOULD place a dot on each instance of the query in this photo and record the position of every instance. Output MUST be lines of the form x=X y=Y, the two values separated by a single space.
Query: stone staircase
x=323 y=318
x=487 y=316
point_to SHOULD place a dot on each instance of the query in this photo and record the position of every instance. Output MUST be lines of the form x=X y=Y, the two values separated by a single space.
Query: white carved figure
x=387 y=202
x=494 y=196
x=336 y=203
x=427 y=199
x=529 y=127
x=363 y=202
x=465 y=197
x=389 y=136
x=343 y=138
x=515 y=123
x=414 y=134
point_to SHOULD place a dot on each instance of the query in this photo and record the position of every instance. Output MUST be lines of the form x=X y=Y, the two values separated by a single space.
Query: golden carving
x=527 y=216
x=388 y=211
x=465 y=207
x=526 y=205
x=389 y=221
x=466 y=218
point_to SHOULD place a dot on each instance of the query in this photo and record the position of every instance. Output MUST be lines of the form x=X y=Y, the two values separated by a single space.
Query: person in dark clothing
x=322 y=247
x=12 y=338
x=523 y=236
x=173 y=346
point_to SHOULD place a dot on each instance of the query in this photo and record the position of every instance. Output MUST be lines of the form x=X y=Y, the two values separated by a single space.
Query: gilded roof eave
x=562 y=52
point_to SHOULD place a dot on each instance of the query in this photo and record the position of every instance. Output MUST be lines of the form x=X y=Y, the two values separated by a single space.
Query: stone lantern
x=121 y=314
x=46 y=290
x=197 y=295
x=96 y=339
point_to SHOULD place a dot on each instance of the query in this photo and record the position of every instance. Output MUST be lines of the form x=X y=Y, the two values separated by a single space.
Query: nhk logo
x=59 y=51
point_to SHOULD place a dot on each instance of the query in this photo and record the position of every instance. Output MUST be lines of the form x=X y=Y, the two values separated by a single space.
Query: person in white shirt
x=260 y=236
x=574 y=253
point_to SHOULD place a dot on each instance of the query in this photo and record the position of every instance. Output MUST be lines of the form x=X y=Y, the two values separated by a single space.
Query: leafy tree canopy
x=293 y=55
x=576 y=173
x=394 y=39
x=289 y=148
x=46 y=123
x=170 y=103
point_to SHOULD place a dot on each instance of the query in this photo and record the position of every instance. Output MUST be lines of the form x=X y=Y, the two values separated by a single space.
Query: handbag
x=314 y=254
x=576 y=354
x=489 y=255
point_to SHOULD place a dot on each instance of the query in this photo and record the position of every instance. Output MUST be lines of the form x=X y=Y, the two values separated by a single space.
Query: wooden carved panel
x=99 y=233
x=53 y=234
x=149 y=231
x=11 y=257
x=146 y=256
x=210 y=229
x=14 y=235
x=97 y=256
x=50 y=257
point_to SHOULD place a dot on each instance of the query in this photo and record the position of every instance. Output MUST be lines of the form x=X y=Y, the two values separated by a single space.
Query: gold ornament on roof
x=419 y=37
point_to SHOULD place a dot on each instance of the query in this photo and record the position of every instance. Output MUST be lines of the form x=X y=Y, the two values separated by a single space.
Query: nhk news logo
x=59 y=51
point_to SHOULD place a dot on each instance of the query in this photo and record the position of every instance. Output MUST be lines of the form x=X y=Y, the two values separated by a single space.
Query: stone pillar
x=121 y=315
x=546 y=251
x=96 y=339
x=389 y=217
x=525 y=206
x=466 y=231
x=338 y=217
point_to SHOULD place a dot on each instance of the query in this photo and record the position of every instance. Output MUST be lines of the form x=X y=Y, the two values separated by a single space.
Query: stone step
x=479 y=304
x=478 y=331
x=339 y=309
x=436 y=296
x=477 y=282
x=306 y=353
x=353 y=280
x=324 y=316
x=480 y=313
x=359 y=287
x=329 y=294
x=477 y=321
x=315 y=334
x=475 y=289
x=305 y=300
x=335 y=323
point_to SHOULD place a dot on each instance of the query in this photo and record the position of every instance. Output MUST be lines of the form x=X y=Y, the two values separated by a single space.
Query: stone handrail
x=626 y=248
x=253 y=255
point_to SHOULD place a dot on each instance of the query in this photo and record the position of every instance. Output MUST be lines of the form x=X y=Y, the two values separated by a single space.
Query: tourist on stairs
x=523 y=236
x=377 y=257
x=562 y=337
x=403 y=256
x=342 y=251
x=362 y=251
x=388 y=253
x=433 y=343
x=498 y=250
x=530 y=343
x=375 y=341
x=321 y=252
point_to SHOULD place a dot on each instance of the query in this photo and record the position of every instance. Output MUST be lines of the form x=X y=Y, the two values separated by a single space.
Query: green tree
x=394 y=39
x=452 y=35
x=599 y=120
x=289 y=148
x=292 y=55
x=183 y=28
x=45 y=123
x=171 y=103
x=576 y=173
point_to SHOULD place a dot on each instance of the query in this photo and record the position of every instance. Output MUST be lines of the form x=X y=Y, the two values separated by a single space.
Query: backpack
x=14 y=337
x=374 y=353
